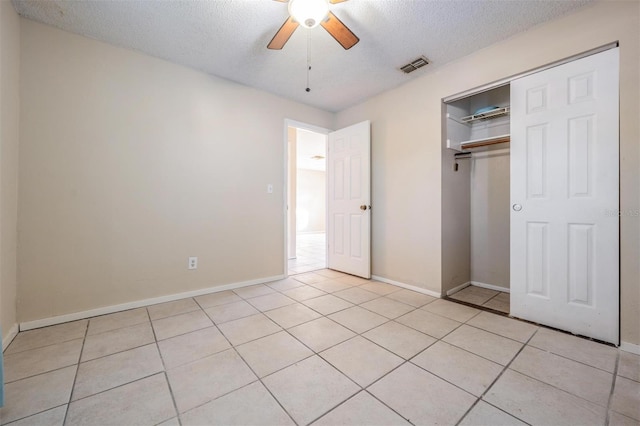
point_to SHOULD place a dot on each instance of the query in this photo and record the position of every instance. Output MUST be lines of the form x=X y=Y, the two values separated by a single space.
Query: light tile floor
x=322 y=348
x=311 y=253
x=492 y=299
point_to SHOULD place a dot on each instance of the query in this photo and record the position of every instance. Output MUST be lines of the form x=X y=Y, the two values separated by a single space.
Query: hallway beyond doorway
x=311 y=253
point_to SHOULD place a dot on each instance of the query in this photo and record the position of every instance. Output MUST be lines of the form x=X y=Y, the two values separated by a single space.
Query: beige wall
x=490 y=216
x=406 y=142
x=9 y=136
x=311 y=194
x=130 y=164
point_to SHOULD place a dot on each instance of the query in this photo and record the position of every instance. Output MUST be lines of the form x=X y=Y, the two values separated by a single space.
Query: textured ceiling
x=228 y=38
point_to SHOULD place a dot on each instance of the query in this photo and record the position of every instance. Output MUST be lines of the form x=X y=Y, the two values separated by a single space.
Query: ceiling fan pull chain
x=308 y=89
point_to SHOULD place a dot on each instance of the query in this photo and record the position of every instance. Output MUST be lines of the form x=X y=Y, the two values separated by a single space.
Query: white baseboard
x=458 y=288
x=630 y=347
x=6 y=341
x=29 y=325
x=407 y=286
x=491 y=287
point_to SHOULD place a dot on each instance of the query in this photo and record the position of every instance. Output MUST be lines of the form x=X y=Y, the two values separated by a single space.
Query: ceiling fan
x=310 y=14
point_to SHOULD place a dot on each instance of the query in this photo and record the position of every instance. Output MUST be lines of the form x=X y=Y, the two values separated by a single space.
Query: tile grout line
x=385 y=404
x=409 y=360
x=315 y=353
x=477 y=306
x=613 y=387
x=337 y=406
x=500 y=335
x=389 y=350
x=75 y=377
x=528 y=344
x=178 y=413
x=365 y=389
x=541 y=327
x=28 y=416
x=481 y=356
x=62 y=367
x=117 y=328
x=327 y=294
x=554 y=387
x=120 y=351
x=259 y=379
x=150 y=322
x=79 y=362
x=505 y=368
x=164 y=367
x=508 y=315
x=570 y=359
x=5 y=354
x=102 y=391
x=463 y=349
x=388 y=320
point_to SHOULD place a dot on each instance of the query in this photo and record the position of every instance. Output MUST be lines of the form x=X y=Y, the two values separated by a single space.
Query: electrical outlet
x=269 y=189
x=193 y=262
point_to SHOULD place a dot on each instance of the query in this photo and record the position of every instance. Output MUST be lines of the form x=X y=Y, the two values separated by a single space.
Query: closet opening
x=476 y=197
x=527 y=170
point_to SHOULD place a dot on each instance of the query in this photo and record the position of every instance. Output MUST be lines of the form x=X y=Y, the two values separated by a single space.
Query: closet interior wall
x=456 y=217
x=479 y=193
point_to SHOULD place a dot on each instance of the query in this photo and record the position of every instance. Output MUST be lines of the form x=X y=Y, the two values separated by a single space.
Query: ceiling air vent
x=414 y=65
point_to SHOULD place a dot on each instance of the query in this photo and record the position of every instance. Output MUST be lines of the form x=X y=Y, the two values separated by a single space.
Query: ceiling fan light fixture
x=309 y=13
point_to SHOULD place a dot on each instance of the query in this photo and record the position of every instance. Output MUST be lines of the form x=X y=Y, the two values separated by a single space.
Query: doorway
x=307 y=212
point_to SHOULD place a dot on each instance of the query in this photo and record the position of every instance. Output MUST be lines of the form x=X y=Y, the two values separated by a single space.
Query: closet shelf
x=478 y=143
x=488 y=115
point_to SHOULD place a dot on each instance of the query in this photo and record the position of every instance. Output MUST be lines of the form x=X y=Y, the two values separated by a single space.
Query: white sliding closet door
x=565 y=197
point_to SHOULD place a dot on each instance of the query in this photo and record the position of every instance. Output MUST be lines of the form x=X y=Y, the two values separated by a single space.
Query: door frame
x=285 y=201
x=508 y=80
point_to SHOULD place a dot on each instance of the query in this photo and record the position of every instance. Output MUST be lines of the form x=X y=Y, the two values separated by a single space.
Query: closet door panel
x=564 y=181
x=536 y=170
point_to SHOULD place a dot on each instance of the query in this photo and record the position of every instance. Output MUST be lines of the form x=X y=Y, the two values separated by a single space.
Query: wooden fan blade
x=284 y=33
x=339 y=31
x=331 y=1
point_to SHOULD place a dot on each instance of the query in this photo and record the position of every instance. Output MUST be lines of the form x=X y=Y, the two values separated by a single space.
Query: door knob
x=364 y=207
x=517 y=207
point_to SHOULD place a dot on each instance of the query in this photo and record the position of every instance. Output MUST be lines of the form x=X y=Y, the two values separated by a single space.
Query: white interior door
x=349 y=200
x=564 y=197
